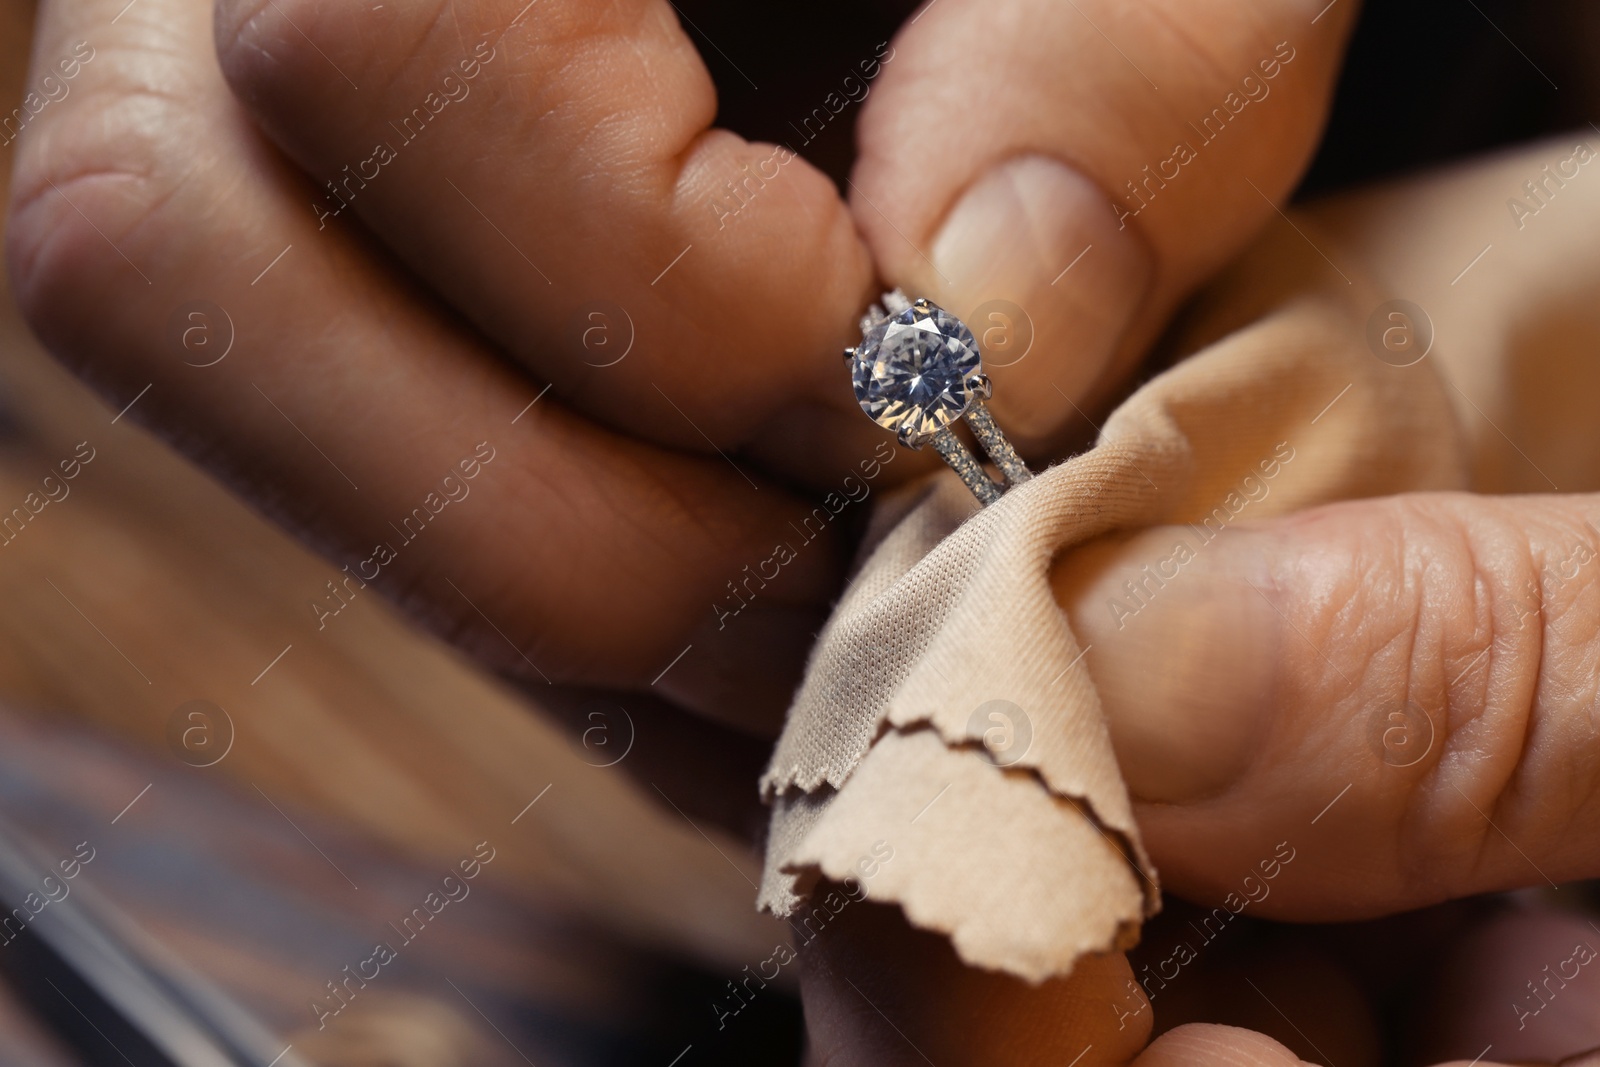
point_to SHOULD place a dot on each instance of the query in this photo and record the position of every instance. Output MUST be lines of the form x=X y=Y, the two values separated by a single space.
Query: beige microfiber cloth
x=1028 y=862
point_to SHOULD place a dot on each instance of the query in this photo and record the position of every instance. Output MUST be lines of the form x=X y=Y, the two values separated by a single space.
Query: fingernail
x=1034 y=233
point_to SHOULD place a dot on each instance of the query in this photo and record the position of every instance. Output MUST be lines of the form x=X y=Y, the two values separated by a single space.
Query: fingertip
x=1055 y=158
x=1214 y=1045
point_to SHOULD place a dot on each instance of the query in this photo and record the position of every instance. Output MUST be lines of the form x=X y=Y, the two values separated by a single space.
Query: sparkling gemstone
x=915 y=371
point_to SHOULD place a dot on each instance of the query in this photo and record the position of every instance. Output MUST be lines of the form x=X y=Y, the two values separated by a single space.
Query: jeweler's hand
x=1084 y=165
x=1344 y=714
x=547 y=170
x=1428 y=659
x=1356 y=711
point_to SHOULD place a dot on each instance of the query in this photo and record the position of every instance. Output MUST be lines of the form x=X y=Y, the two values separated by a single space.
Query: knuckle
x=1502 y=661
x=1472 y=668
x=1414 y=603
x=285 y=52
x=83 y=189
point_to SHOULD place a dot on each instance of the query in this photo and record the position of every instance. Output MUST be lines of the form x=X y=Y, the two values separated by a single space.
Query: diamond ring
x=918 y=370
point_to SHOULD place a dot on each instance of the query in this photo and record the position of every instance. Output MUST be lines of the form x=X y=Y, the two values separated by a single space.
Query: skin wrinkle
x=724 y=538
x=1419 y=592
x=1513 y=687
x=1510 y=694
x=666 y=491
x=1462 y=720
x=667 y=500
x=688 y=118
x=393 y=74
x=645 y=125
x=149 y=56
x=1207 y=66
x=1382 y=586
x=1545 y=636
x=535 y=114
x=1225 y=1044
x=136 y=145
x=529 y=632
x=1433 y=789
x=1418 y=662
x=1569 y=633
x=29 y=186
x=1458 y=715
x=1435 y=798
x=455 y=24
x=24 y=256
x=554 y=80
x=1408 y=608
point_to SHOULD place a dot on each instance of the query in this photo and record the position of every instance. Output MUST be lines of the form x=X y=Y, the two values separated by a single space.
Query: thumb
x=1062 y=174
x=1378 y=704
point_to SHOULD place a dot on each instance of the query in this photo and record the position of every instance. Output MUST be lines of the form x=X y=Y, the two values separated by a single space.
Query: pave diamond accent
x=916 y=371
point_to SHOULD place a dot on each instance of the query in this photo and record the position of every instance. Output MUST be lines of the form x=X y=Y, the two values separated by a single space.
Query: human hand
x=553 y=547
x=1344 y=713
x=584 y=151
x=1053 y=144
x=1389 y=706
x=576 y=173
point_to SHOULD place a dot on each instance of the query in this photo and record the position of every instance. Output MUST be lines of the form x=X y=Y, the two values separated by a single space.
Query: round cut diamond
x=916 y=371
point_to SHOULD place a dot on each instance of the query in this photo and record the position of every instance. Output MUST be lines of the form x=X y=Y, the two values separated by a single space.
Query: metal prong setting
x=849 y=354
x=913 y=440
